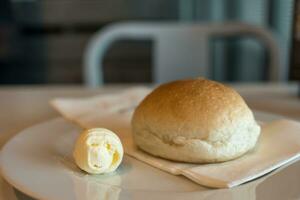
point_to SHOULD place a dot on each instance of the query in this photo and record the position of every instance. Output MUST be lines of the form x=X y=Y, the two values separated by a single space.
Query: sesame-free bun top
x=196 y=120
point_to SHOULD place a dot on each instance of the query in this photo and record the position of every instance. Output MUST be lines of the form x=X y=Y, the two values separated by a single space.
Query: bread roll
x=197 y=121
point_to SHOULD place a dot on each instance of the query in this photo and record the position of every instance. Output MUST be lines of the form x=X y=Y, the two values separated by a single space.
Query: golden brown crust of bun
x=180 y=114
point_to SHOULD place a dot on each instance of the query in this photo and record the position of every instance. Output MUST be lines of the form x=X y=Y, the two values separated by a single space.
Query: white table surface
x=22 y=107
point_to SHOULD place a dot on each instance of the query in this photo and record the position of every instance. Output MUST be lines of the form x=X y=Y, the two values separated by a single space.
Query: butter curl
x=98 y=151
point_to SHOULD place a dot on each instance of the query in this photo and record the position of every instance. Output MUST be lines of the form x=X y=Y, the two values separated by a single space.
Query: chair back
x=181 y=50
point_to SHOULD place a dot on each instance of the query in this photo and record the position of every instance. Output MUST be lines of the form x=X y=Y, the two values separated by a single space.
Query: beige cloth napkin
x=279 y=142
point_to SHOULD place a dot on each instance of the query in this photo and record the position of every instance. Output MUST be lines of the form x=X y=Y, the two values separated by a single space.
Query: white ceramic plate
x=38 y=162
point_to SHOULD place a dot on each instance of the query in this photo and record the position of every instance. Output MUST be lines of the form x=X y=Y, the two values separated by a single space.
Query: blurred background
x=46 y=41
